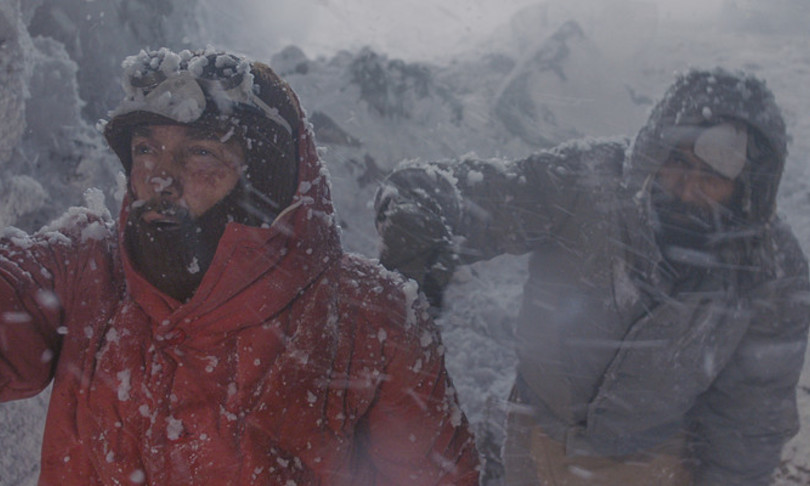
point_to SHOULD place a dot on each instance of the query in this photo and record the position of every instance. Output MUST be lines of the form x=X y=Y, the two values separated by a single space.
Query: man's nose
x=692 y=188
x=166 y=178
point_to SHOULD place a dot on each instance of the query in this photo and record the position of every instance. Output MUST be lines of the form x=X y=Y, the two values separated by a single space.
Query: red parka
x=293 y=363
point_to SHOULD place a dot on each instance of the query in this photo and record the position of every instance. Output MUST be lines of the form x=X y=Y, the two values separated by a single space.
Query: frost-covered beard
x=688 y=226
x=175 y=258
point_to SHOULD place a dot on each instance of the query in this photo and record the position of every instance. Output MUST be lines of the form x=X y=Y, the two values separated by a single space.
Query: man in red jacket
x=217 y=333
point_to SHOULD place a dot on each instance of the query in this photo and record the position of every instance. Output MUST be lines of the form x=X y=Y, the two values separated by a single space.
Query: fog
x=417 y=30
x=467 y=52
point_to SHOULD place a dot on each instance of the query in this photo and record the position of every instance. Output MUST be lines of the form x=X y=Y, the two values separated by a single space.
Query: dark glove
x=416 y=240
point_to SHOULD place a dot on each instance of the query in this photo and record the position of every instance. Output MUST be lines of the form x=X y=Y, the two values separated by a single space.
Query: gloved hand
x=416 y=239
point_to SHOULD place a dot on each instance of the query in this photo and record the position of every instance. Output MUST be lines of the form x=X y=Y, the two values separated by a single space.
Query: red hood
x=298 y=246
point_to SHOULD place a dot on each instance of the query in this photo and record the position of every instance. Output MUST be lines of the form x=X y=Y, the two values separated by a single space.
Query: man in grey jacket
x=664 y=320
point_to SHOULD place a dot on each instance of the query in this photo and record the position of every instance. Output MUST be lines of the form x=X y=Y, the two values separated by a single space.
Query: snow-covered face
x=685 y=177
x=182 y=167
x=692 y=202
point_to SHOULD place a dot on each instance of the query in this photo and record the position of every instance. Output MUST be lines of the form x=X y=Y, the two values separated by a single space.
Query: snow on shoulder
x=368 y=277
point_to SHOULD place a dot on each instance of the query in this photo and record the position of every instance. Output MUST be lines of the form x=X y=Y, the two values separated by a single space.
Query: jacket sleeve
x=29 y=314
x=750 y=412
x=418 y=434
x=434 y=216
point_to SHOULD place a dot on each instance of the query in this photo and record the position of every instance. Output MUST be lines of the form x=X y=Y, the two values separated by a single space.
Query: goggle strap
x=269 y=111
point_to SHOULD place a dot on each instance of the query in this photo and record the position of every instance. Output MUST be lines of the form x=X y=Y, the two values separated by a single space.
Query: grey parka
x=618 y=349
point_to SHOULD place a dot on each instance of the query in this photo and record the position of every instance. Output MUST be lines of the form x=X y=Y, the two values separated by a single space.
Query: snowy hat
x=722 y=147
x=220 y=91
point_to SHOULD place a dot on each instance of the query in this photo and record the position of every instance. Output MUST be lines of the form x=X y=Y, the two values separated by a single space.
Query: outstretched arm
x=433 y=216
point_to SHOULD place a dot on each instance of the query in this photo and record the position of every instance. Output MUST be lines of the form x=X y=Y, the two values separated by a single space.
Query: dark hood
x=705 y=98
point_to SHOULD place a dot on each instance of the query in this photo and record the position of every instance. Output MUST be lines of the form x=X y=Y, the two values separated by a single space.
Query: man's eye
x=141 y=149
x=201 y=152
x=681 y=161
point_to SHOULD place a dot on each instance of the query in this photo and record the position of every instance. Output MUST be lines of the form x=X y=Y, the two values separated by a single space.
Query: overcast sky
x=412 y=29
